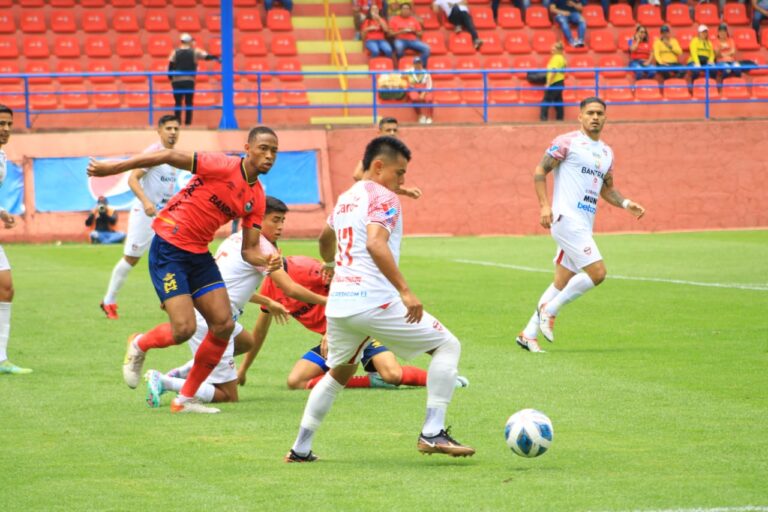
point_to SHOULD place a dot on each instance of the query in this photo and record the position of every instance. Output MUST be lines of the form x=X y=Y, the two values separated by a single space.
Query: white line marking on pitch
x=737 y=286
x=747 y=508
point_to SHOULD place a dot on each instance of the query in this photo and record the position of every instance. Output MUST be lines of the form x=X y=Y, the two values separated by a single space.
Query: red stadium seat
x=492 y=43
x=95 y=3
x=676 y=89
x=405 y=63
x=429 y=19
x=94 y=21
x=43 y=98
x=537 y=16
x=625 y=38
x=745 y=39
x=62 y=3
x=284 y=45
x=294 y=94
x=582 y=61
x=105 y=96
x=707 y=14
x=735 y=88
x=531 y=93
x=473 y=93
x=154 y=3
x=161 y=66
x=461 y=44
x=594 y=16
x=213 y=22
x=211 y=3
x=289 y=64
x=67 y=47
x=97 y=47
x=12 y=96
x=380 y=64
x=266 y=98
x=36 y=47
x=760 y=88
x=184 y=3
x=647 y=90
x=31 y=3
x=136 y=96
x=684 y=37
x=8 y=47
x=101 y=66
x=279 y=20
x=618 y=90
x=32 y=22
x=446 y=97
x=469 y=64
x=503 y=92
x=602 y=41
x=156 y=21
x=7 y=24
x=579 y=90
x=123 y=3
x=542 y=41
x=517 y=43
x=75 y=98
x=620 y=15
x=764 y=38
x=612 y=61
x=526 y=62
x=735 y=14
x=700 y=88
x=500 y=64
x=9 y=67
x=63 y=22
x=253 y=45
x=125 y=21
x=758 y=59
x=483 y=17
x=649 y=15
x=510 y=17
x=205 y=98
x=188 y=21
x=160 y=45
x=214 y=46
x=436 y=42
x=128 y=46
x=249 y=21
x=261 y=65
x=678 y=15
x=443 y=63
x=132 y=66
x=42 y=68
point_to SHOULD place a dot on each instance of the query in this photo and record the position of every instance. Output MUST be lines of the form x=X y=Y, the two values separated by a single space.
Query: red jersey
x=373 y=35
x=306 y=272
x=217 y=193
x=399 y=23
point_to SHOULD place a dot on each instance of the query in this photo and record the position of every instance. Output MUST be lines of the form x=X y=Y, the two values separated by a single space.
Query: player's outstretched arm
x=173 y=157
x=251 y=252
x=260 y=331
x=294 y=290
x=377 y=247
x=412 y=192
x=547 y=164
x=277 y=310
x=611 y=194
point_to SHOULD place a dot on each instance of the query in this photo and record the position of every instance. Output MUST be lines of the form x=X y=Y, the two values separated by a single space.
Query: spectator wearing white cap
x=185 y=58
x=702 y=52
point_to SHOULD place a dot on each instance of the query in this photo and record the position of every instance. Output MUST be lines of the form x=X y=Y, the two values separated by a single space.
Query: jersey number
x=343 y=253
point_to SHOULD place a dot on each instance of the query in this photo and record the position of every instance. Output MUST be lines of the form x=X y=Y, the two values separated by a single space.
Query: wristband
x=625 y=203
x=329 y=264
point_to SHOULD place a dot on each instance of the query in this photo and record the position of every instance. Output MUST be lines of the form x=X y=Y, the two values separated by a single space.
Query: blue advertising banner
x=61 y=184
x=12 y=189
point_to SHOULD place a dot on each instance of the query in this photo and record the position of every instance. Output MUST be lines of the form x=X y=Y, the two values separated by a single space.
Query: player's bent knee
x=182 y=331
x=224 y=328
x=296 y=383
x=6 y=293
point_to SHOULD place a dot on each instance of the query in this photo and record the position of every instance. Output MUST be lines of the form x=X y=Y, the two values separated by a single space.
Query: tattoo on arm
x=609 y=193
x=548 y=163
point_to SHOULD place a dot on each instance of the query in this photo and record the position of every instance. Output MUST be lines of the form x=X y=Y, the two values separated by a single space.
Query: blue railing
x=486 y=86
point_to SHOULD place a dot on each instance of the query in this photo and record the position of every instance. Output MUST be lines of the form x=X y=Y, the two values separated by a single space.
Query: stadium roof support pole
x=228 y=120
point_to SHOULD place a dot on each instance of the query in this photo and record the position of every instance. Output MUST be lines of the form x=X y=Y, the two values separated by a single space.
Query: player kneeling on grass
x=383 y=369
x=242 y=280
x=369 y=297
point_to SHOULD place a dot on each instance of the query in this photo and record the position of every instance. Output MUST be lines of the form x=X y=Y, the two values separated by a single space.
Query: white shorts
x=4 y=263
x=575 y=246
x=348 y=336
x=226 y=370
x=139 y=234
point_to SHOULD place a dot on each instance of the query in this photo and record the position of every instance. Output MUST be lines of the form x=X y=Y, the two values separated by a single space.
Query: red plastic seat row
x=131 y=3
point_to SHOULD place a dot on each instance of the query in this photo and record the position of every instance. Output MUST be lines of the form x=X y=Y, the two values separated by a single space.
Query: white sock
x=204 y=393
x=318 y=404
x=578 y=285
x=441 y=381
x=183 y=370
x=119 y=273
x=532 y=328
x=5 y=329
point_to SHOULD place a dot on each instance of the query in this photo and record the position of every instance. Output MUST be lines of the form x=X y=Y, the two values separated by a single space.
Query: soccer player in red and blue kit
x=183 y=272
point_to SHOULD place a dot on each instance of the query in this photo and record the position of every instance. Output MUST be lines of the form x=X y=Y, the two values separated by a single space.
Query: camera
x=102 y=208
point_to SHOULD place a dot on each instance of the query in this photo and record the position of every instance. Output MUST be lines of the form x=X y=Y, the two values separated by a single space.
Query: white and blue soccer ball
x=529 y=433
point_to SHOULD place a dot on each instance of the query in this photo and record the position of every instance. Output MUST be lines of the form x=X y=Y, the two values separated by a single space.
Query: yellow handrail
x=338 y=53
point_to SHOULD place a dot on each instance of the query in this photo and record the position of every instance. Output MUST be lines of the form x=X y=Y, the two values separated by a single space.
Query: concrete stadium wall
x=477 y=180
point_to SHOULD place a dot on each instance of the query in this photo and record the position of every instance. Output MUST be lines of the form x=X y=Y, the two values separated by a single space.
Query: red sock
x=313 y=382
x=359 y=381
x=159 y=337
x=413 y=376
x=207 y=357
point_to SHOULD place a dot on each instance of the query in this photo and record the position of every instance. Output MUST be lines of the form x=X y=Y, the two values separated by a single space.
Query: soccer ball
x=528 y=433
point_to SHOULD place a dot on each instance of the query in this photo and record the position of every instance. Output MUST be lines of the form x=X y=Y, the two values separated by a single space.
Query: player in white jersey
x=583 y=169
x=6 y=282
x=153 y=188
x=370 y=298
x=242 y=280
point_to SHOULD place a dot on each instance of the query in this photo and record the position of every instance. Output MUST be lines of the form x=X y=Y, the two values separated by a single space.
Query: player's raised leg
x=6 y=296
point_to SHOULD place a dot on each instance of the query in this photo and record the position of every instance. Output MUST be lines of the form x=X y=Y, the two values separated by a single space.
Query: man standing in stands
x=184 y=58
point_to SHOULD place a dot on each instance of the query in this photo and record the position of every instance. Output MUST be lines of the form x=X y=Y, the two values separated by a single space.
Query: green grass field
x=656 y=389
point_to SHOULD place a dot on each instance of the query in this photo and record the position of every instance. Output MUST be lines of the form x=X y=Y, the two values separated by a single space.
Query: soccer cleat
x=377 y=382
x=134 y=360
x=110 y=310
x=8 y=368
x=546 y=323
x=530 y=344
x=462 y=382
x=292 y=456
x=443 y=443
x=154 y=388
x=191 y=405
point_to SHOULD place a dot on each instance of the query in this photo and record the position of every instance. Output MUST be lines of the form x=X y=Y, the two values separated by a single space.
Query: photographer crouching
x=104 y=219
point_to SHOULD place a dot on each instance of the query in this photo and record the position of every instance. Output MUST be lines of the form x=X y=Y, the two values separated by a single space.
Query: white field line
x=746 y=508
x=732 y=286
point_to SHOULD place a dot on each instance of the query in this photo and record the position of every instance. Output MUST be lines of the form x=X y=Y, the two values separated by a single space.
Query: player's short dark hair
x=591 y=99
x=167 y=119
x=386 y=146
x=387 y=120
x=274 y=205
x=258 y=130
x=5 y=110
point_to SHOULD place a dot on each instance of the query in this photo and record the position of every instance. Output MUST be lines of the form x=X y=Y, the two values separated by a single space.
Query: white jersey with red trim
x=159 y=183
x=579 y=177
x=241 y=278
x=358 y=285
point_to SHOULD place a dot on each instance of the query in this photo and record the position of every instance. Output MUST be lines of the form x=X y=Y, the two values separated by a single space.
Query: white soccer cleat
x=461 y=382
x=134 y=360
x=191 y=405
x=529 y=344
x=546 y=324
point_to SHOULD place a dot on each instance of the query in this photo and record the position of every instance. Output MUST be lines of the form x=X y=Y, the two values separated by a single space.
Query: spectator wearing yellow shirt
x=666 y=52
x=553 y=95
x=702 y=52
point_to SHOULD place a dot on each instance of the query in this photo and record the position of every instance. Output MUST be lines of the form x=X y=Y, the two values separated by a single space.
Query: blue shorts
x=374 y=348
x=175 y=271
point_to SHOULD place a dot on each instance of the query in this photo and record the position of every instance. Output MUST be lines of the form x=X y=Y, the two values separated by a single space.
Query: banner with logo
x=61 y=184
x=12 y=190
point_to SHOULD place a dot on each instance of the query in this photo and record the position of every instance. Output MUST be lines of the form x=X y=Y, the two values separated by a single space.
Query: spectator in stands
x=702 y=52
x=457 y=13
x=421 y=81
x=362 y=11
x=725 y=52
x=287 y=4
x=104 y=218
x=759 y=13
x=374 y=31
x=567 y=12
x=553 y=95
x=640 y=53
x=666 y=52
x=520 y=4
x=184 y=58
x=406 y=30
